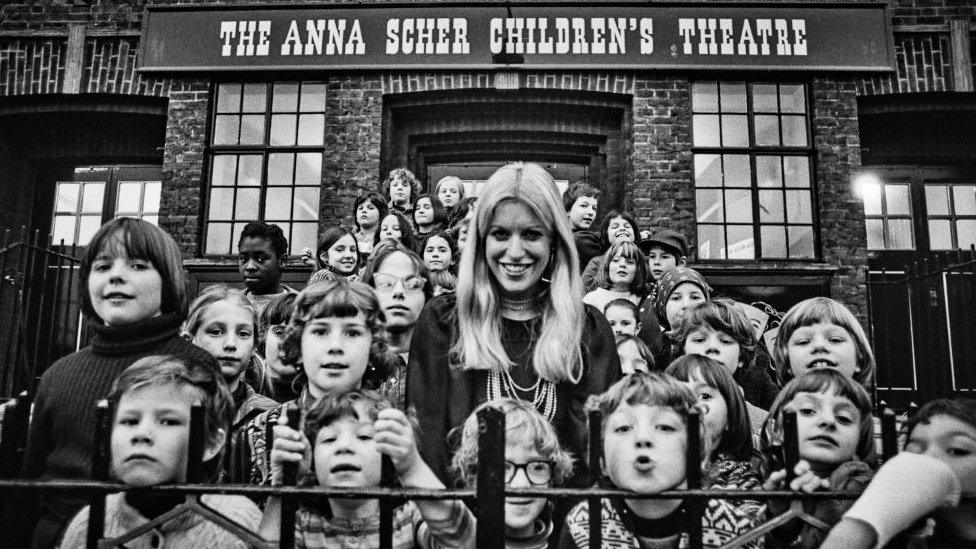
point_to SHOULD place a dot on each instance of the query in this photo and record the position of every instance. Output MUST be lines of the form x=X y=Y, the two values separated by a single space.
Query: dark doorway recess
x=583 y=134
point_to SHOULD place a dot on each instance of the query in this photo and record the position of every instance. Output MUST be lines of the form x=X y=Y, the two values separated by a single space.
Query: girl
x=337 y=255
x=513 y=328
x=149 y=444
x=439 y=251
x=222 y=322
x=617 y=227
x=395 y=226
x=368 y=210
x=533 y=459
x=133 y=291
x=336 y=338
x=450 y=192
x=836 y=448
x=634 y=355
x=275 y=379
x=678 y=290
x=718 y=329
x=821 y=332
x=623 y=274
x=428 y=215
x=621 y=314
x=401 y=188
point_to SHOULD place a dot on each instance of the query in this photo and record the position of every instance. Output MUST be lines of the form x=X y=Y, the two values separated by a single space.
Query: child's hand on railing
x=806 y=481
x=395 y=438
x=308 y=257
x=290 y=446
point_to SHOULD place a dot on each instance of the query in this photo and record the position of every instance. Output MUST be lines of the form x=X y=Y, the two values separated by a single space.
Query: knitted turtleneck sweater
x=62 y=432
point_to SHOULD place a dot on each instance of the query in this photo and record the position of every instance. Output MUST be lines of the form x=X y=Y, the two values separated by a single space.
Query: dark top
x=588 y=246
x=444 y=396
x=756 y=380
x=652 y=335
x=62 y=433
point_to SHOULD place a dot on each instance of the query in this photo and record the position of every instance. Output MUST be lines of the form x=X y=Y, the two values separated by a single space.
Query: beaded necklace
x=543 y=392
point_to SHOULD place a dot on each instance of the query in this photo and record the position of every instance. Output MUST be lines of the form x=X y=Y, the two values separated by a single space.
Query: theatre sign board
x=566 y=35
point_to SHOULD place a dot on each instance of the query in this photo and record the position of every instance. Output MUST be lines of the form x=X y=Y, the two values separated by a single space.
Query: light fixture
x=867 y=184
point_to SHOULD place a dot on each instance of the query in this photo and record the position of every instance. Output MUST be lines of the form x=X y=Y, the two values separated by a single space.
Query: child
x=133 y=291
x=341 y=446
x=820 y=332
x=440 y=252
x=396 y=226
x=275 y=379
x=718 y=329
x=644 y=444
x=337 y=255
x=450 y=191
x=580 y=202
x=533 y=459
x=369 y=209
x=401 y=188
x=150 y=440
x=617 y=226
x=336 y=334
x=622 y=275
x=634 y=355
x=443 y=282
x=222 y=322
x=428 y=215
x=622 y=316
x=678 y=290
x=665 y=250
x=836 y=448
x=262 y=251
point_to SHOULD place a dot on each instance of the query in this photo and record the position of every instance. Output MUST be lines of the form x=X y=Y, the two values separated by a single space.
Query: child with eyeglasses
x=533 y=459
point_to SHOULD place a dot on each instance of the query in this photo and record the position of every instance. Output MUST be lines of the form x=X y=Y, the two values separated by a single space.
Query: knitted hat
x=669 y=238
x=668 y=282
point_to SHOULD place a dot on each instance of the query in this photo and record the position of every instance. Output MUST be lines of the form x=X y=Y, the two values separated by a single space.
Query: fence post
x=198 y=440
x=595 y=451
x=889 y=435
x=289 y=473
x=693 y=465
x=100 y=466
x=490 y=494
x=387 y=477
x=791 y=444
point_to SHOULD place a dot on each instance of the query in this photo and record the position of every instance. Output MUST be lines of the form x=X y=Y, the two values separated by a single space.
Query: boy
x=665 y=249
x=622 y=315
x=149 y=442
x=262 y=250
x=581 y=201
x=645 y=438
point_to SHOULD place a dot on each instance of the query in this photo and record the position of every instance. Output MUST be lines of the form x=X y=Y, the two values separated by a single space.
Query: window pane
x=225 y=130
x=311 y=129
x=313 y=98
x=223 y=169
x=280 y=168
x=154 y=219
x=738 y=206
x=708 y=205
x=277 y=204
x=708 y=170
x=872 y=199
x=246 y=206
x=875 y=230
x=764 y=98
x=796 y=171
x=150 y=196
x=794 y=131
x=767 y=129
x=711 y=242
x=965 y=233
x=67 y=200
x=285 y=97
x=252 y=129
x=791 y=98
x=218 y=238
x=964 y=199
x=705 y=130
x=93 y=199
x=940 y=235
x=900 y=234
x=769 y=171
x=308 y=169
x=255 y=97
x=801 y=242
x=63 y=229
x=937 y=199
x=771 y=209
x=735 y=133
x=897 y=199
x=235 y=237
x=737 y=170
x=733 y=96
x=704 y=97
x=229 y=98
x=249 y=170
x=129 y=199
x=741 y=243
x=773 y=241
x=283 y=129
x=306 y=206
x=304 y=235
x=87 y=227
x=798 y=207
x=286 y=228
x=221 y=203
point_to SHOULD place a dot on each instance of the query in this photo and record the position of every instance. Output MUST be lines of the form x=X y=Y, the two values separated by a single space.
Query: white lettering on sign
x=427 y=36
x=576 y=35
x=338 y=36
x=245 y=38
x=745 y=37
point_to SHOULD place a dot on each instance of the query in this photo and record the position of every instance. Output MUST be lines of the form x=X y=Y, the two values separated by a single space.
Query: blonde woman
x=516 y=327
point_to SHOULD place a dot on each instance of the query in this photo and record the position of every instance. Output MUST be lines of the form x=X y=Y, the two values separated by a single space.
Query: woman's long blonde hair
x=557 y=355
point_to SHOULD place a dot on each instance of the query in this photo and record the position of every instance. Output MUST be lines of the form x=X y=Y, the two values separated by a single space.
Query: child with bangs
x=336 y=339
x=450 y=192
x=396 y=227
x=622 y=275
x=645 y=439
x=275 y=378
x=718 y=329
x=533 y=459
x=341 y=446
x=836 y=449
x=337 y=256
x=428 y=216
x=634 y=355
x=149 y=446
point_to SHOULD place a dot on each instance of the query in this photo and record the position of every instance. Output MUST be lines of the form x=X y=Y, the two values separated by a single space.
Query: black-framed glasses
x=386 y=282
x=538 y=472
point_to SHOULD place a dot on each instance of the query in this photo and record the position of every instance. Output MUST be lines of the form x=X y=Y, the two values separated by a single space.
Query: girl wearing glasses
x=533 y=459
x=516 y=327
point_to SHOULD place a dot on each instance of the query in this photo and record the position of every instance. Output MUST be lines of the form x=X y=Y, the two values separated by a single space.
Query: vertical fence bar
x=8 y=378
x=53 y=344
x=693 y=465
x=289 y=506
x=29 y=315
x=100 y=465
x=490 y=494
x=8 y=442
x=387 y=477
x=595 y=452
x=791 y=445
x=17 y=281
x=889 y=436
x=198 y=442
x=67 y=321
x=39 y=346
